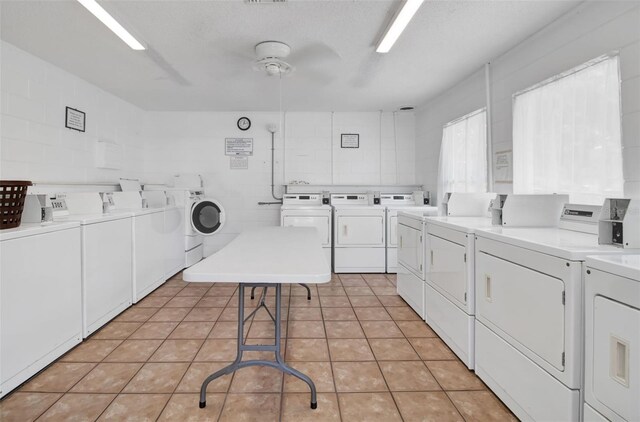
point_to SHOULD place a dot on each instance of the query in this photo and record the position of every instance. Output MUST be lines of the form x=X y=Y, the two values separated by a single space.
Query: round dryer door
x=207 y=216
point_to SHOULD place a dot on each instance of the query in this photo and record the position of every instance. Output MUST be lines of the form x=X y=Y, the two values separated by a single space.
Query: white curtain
x=566 y=135
x=463 y=155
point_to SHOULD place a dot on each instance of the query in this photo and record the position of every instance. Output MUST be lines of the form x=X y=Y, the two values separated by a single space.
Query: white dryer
x=394 y=202
x=529 y=312
x=308 y=210
x=358 y=234
x=612 y=338
x=106 y=252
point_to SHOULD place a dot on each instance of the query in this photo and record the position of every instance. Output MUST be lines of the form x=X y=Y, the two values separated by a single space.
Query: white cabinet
x=40 y=295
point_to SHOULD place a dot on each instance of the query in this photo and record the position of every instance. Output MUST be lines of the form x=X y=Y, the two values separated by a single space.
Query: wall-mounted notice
x=238 y=146
x=503 y=170
x=74 y=119
x=350 y=140
x=239 y=162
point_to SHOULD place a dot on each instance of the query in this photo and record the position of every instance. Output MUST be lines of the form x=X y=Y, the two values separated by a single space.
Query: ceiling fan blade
x=242 y=49
x=168 y=69
x=367 y=71
x=315 y=53
x=315 y=77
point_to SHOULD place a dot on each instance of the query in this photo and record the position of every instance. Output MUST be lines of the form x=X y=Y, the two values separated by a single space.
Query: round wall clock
x=244 y=123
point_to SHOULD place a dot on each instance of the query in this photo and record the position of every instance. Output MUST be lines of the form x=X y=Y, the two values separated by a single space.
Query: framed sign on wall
x=350 y=140
x=503 y=170
x=238 y=146
x=74 y=119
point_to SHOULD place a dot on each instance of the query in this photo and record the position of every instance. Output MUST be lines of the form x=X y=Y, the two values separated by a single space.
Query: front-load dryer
x=202 y=217
x=207 y=216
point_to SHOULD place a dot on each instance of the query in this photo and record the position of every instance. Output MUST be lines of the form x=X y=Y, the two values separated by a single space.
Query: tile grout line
x=194 y=356
x=378 y=363
x=143 y=363
x=68 y=391
x=333 y=378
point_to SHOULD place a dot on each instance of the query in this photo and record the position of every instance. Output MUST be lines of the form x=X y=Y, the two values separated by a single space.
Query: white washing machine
x=612 y=338
x=40 y=298
x=148 y=242
x=107 y=240
x=529 y=312
x=308 y=210
x=394 y=202
x=450 y=281
x=358 y=234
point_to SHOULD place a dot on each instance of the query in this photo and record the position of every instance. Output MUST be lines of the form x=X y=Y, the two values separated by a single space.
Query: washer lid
x=207 y=216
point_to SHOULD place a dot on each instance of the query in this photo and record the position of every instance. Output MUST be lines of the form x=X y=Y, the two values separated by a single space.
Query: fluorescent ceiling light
x=97 y=10
x=409 y=8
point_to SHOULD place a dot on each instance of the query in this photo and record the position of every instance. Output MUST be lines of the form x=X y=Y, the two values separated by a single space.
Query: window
x=566 y=134
x=463 y=155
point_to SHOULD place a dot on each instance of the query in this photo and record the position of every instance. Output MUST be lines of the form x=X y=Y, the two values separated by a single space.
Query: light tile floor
x=370 y=355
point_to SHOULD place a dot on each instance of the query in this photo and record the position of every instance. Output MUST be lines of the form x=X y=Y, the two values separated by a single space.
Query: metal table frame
x=279 y=363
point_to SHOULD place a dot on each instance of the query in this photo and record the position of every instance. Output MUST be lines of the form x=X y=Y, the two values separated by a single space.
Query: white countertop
x=566 y=244
x=462 y=224
x=623 y=265
x=32 y=229
x=266 y=255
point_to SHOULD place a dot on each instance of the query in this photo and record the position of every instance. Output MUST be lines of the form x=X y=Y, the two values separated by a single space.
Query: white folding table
x=266 y=257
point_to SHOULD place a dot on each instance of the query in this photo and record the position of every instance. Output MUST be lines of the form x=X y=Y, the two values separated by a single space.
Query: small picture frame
x=74 y=119
x=350 y=140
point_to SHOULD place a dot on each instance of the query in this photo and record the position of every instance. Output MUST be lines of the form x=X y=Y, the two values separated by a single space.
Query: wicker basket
x=12 y=195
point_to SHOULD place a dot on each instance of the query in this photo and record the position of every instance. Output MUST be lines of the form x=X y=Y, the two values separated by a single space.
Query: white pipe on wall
x=487 y=82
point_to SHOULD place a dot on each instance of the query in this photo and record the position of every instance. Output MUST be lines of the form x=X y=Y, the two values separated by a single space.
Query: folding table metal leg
x=278 y=364
x=261 y=304
x=308 y=290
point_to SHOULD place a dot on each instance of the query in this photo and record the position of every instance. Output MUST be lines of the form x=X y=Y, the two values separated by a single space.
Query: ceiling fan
x=270 y=57
x=314 y=62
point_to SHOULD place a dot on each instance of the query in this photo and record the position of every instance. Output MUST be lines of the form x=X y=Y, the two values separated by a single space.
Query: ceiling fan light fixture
x=110 y=22
x=272 y=69
x=400 y=22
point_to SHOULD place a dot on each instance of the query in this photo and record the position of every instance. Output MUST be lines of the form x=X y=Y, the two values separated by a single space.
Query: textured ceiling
x=199 y=52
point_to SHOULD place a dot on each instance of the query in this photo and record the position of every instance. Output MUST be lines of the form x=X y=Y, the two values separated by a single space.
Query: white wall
x=309 y=150
x=313 y=151
x=35 y=145
x=590 y=30
x=465 y=97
